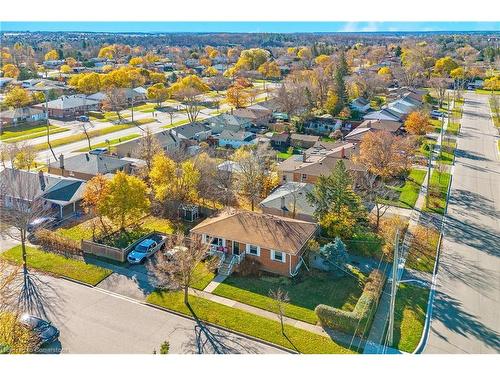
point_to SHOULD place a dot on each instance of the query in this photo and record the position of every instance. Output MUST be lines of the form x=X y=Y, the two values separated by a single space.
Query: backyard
x=315 y=288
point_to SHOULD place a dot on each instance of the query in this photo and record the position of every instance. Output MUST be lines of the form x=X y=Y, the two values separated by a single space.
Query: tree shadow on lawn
x=449 y=312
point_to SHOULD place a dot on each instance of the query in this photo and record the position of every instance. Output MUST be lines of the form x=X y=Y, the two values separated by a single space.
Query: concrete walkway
x=340 y=337
x=214 y=283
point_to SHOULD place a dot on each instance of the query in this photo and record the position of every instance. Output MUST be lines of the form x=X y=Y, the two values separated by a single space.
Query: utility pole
x=394 y=289
x=429 y=170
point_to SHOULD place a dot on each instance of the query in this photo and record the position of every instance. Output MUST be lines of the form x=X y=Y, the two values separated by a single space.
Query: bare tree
x=115 y=101
x=84 y=128
x=148 y=147
x=439 y=85
x=280 y=298
x=177 y=271
x=190 y=98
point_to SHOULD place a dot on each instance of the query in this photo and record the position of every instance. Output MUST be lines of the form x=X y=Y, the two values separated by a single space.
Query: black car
x=44 y=330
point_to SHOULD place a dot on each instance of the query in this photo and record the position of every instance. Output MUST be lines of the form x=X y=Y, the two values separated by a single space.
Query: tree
x=251 y=59
x=115 y=101
x=10 y=70
x=444 y=66
x=65 y=69
x=237 y=96
x=135 y=61
x=187 y=90
x=148 y=147
x=51 y=55
x=173 y=181
x=339 y=223
x=159 y=93
x=87 y=83
x=439 y=85
x=384 y=154
x=492 y=83
x=178 y=271
x=126 y=201
x=280 y=298
x=340 y=91
x=270 y=70
x=17 y=97
x=157 y=77
x=335 y=253
x=417 y=123
x=95 y=193
x=107 y=52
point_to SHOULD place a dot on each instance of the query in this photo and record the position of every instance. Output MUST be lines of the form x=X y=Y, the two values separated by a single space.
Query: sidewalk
x=340 y=337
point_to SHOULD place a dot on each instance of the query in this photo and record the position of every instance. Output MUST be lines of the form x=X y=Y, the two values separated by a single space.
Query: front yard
x=247 y=323
x=57 y=265
x=314 y=289
x=408 y=193
x=439 y=182
x=24 y=132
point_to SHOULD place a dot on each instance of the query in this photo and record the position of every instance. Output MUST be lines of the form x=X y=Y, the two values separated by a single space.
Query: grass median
x=439 y=184
x=112 y=142
x=57 y=265
x=247 y=323
x=24 y=132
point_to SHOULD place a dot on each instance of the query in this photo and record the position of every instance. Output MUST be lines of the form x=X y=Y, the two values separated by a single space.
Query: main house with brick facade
x=276 y=243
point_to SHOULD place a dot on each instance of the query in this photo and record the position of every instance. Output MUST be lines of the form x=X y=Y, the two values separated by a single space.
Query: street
x=94 y=321
x=466 y=308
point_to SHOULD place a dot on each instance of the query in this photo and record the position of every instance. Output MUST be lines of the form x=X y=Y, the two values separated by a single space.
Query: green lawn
x=486 y=92
x=411 y=307
x=316 y=288
x=453 y=128
x=422 y=258
x=408 y=193
x=436 y=125
x=496 y=119
x=202 y=276
x=250 y=324
x=438 y=203
x=111 y=142
x=27 y=131
x=446 y=157
x=424 y=148
x=80 y=137
x=58 y=265
x=283 y=155
x=176 y=123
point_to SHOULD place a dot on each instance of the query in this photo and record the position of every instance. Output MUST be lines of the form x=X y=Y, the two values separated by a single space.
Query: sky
x=243 y=27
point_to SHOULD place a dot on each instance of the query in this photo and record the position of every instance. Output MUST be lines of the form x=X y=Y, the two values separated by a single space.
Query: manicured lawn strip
x=111 y=142
x=420 y=259
x=26 y=130
x=176 y=123
x=250 y=324
x=58 y=265
x=304 y=296
x=437 y=204
x=283 y=155
x=411 y=307
x=446 y=157
x=202 y=276
x=486 y=92
x=35 y=135
x=80 y=137
x=437 y=125
x=425 y=147
x=409 y=191
x=453 y=128
x=496 y=119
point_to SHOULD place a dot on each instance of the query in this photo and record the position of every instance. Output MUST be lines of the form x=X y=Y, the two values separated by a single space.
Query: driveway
x=94 y=321
x=466 y=309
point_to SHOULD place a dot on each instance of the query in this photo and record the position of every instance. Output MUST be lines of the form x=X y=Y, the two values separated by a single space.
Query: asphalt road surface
x=93 y=321
x=466 y=310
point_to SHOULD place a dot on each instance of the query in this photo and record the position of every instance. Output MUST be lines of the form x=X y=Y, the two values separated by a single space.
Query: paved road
x=466 y=310
x=93 y=321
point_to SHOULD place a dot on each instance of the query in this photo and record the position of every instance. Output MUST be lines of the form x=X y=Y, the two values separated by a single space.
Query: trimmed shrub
x=55 y=243
x=249 y=267
x=365 y=244
x=354 y=322
x=95 y=114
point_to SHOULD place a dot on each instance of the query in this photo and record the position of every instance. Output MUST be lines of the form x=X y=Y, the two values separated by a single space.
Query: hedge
x=356 y=321
x=95 y=114
x=55 y=243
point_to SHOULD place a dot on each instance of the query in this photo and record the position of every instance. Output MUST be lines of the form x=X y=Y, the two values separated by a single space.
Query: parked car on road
x=98 y=151
x=44 y=331
x=437 y=114
x=83 y=118
x=146 y=248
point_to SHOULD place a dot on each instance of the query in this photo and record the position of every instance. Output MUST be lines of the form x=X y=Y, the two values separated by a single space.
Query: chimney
x=342 y=153
x=283 y=206
x=41 y=180
x=61 y=161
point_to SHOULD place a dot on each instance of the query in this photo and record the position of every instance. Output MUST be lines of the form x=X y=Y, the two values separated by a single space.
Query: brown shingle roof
x=267 y=231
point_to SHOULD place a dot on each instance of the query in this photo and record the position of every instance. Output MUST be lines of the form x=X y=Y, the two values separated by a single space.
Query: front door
x=236 y=248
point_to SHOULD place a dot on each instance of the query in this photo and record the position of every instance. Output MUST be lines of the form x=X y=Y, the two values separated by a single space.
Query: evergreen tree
x=335 y=253
x=340 y=91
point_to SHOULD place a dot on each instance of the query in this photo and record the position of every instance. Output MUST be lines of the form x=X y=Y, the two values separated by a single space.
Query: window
x=217 y=241
x=304 y=177
x=284 y=178
x=253 y=250
x=236 y=247
x=278 y=256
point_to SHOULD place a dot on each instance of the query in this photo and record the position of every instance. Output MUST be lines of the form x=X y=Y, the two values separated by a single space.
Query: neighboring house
x=257 y=114
x=5 y=81
x=367 y=126
x=193 y=131
x=322 y=125
x=98 y=97
x=166 y=139
x=280 y=141
x=61 y=197
x=236 y=139
x=314 y=163
x=85 y=166
x=384 y=114
x=67 y=107
x=290 y=200
x=303 y=140
x=22 y=115
x=277 y=243
x=229 y=166
x=52 y=64
x=225 y=121
x=402 y=107
x=360 y=104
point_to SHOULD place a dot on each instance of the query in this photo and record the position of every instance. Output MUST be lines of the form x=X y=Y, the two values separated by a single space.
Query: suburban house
x=60 y=197
x=229 y=167
x=85 y=166
x=290 y=200
x=236 y=139
x=367 y=126
x=22 y=115
x=67 y=107
x=167 y=140
x=303 y=140
x=193 y=131
x=322 y=125
x=317 y=162
x=256 y=113
x=360 y=104
x=225 y=121
x=280 y=141
x=275 y=242
x=385 y=114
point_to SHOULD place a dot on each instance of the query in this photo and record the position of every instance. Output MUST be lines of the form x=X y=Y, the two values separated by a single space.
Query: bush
x=365 y=244
x=55 y=243
x=249 y=267
x=359 y=320
x=95 y=114
x=165 y=347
